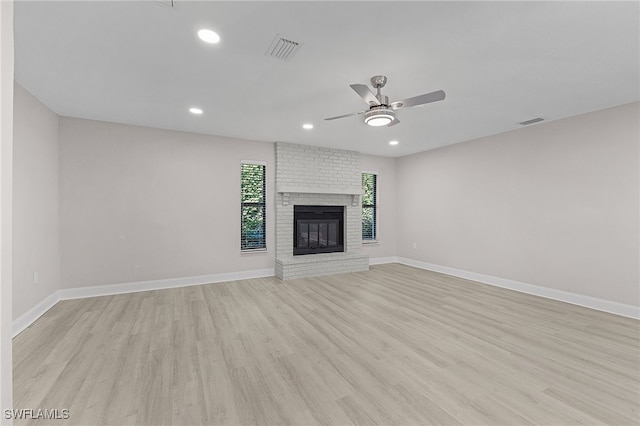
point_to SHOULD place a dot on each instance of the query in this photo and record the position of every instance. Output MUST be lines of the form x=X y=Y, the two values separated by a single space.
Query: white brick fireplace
x=309 y=175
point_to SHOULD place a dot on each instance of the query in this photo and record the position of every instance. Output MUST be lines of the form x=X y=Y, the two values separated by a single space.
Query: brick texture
x=323 y=177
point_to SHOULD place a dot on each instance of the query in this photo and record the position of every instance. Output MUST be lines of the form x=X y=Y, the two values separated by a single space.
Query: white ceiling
x=500 y=63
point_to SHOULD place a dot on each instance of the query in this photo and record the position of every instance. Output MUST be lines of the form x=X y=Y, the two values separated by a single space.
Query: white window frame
x=261 y=249
x=375 y=209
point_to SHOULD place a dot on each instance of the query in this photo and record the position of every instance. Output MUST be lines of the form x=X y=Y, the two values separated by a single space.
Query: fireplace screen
x=318 y=229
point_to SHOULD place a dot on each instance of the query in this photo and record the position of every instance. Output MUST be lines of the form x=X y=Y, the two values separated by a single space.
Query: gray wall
x=554 y=205
x=143 y=204
x=6 y=166
x=36 y=241
x=385 y=167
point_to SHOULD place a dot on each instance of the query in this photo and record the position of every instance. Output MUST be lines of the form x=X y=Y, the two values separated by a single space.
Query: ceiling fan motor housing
x=379 y=116
x=384 y=100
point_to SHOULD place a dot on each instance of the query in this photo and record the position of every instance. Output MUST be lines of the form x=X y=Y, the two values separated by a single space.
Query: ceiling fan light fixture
x=379 y=116
x=381 y=112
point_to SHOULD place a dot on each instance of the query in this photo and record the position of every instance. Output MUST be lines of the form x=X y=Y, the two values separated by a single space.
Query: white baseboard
x=111 y=289
x=29 y=317
x=549 y=293
x=383 y=260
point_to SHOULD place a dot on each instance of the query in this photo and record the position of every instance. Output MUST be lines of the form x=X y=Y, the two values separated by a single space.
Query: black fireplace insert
x=318 y=229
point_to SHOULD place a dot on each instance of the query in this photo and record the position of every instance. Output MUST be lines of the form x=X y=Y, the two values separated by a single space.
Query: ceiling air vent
x=533 y=120
x=283 y=48
x=170 y=3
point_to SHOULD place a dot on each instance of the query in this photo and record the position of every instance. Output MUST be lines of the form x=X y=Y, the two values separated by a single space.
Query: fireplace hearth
x=318 y=229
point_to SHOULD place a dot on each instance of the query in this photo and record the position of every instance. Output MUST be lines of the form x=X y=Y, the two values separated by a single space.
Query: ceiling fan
x=381 y=112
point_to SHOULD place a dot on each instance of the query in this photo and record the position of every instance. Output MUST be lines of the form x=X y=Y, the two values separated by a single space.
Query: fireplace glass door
x=318 y=230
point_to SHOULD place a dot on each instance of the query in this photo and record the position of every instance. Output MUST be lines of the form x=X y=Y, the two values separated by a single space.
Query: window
x=369 y=200
x=253 y=207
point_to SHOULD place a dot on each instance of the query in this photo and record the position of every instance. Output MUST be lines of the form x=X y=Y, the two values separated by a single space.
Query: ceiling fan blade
x=365 y=93
x=419 y=100
x=344 y=115
x=394 y=122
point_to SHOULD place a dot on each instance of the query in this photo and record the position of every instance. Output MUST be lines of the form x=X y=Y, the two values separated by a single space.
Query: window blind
x=369 y=206
x=253 y=219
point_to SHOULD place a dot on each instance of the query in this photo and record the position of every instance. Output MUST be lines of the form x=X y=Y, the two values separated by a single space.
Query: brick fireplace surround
x=310 y=175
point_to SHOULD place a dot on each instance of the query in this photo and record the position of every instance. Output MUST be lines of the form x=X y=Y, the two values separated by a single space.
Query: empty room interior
x=367 y=212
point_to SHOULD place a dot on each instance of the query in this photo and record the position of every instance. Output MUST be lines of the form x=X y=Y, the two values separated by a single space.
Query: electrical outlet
x=415 y=246
x=35 y=278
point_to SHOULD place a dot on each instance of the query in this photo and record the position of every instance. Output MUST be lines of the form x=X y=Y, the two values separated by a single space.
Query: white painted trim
x=111 y=289
x=29 y=317
x=549 y=293
x=314 y=190
x=254 y=251
x=256 y=162
x=383 y=260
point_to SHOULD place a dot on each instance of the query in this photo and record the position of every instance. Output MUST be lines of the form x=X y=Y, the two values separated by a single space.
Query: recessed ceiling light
x=208 y=36
x=307 y=126
x=195 y=110
x=393 y=142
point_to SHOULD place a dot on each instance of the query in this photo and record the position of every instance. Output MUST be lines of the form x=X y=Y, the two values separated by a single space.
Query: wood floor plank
x=392 y=346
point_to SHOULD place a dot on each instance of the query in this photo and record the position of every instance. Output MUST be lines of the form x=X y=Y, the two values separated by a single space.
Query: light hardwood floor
x=395 y=345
